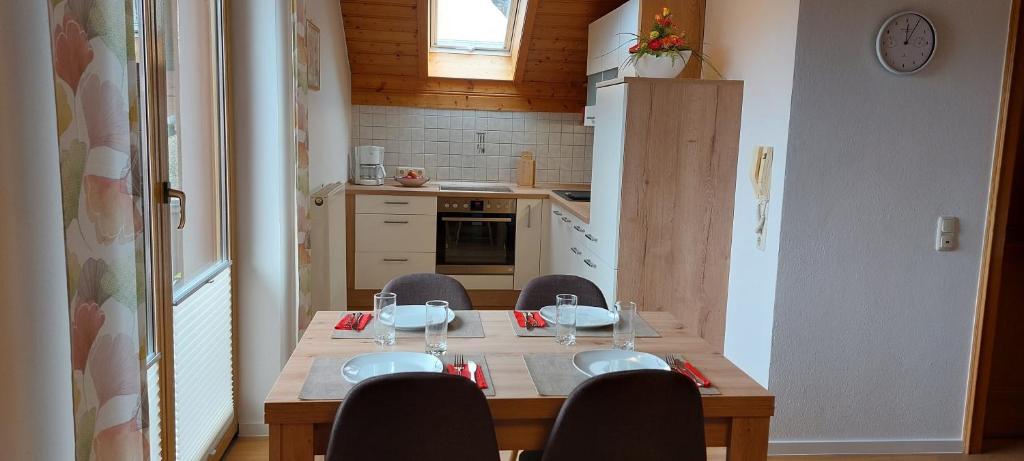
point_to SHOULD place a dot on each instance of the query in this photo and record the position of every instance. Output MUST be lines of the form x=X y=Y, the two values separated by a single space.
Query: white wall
x=35 y=392
x=872 y=328
x=264 y=200
x=755 y=42
x=330 y=108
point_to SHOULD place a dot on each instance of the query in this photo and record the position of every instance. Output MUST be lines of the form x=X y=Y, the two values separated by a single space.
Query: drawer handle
x=396 y=222
x=396 y=260
x=578 y=229
x=590 y=237
x=576 y=251
x=589 y=263
x=529 y=216
x=396 y=203
x=556 y=212
x=564 y=219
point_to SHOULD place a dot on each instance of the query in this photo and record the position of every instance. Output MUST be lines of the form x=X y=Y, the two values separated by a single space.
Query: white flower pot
x=664 y=66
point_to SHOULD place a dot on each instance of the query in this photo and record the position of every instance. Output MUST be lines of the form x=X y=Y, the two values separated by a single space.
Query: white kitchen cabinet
x=388 y=232
x=529 y=234
x=593 y=268
x=375 y=269
x=396 y=204
x=394 y=236
x=606 y=176
x=561 y=258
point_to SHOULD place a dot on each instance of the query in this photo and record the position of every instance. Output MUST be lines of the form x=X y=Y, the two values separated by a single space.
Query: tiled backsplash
x=477 y=145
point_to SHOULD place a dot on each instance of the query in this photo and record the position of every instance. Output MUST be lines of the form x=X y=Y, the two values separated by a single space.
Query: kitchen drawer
x=395 y=204
x=604 y=275
x=485 y=282
x=374 y=270
x=386 y=232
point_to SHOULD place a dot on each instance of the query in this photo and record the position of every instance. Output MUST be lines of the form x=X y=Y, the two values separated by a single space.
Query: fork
x=681 y=369
x=530 y=322
x=355 y=320
x=459 y=363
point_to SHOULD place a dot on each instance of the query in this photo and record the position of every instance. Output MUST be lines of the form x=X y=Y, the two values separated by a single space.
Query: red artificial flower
x=634 y=48
x=655 y=44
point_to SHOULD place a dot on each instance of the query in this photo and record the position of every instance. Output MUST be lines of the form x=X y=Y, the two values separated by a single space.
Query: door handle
x=172 y=193
x=578 y=229
x=564 y=219
x=576 y=251
x=590 y=237
x=589 y=263
x=556 y=212
x=529 y=216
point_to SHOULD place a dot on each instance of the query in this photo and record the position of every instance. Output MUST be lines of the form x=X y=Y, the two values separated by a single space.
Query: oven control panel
x=476 y=205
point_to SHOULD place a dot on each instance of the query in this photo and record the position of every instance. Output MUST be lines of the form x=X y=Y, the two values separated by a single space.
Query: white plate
x=599 y=362
x=586 y=316
x=373 y=364
x=411 y=317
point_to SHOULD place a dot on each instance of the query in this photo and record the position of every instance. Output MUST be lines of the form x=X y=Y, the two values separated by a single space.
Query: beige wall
x=330 y=108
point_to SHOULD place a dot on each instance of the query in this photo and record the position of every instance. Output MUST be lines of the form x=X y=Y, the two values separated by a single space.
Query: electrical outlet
x=946 y=233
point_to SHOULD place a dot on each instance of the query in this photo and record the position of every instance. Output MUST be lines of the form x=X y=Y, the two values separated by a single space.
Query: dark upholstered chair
x=542 y=290
x=643 y=415
x=420 y=288
x=413 y=416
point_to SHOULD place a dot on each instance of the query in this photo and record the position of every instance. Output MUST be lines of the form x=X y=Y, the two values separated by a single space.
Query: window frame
x=469 y=47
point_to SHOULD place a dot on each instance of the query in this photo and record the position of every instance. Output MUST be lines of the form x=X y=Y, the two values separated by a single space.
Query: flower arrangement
x=664 y=42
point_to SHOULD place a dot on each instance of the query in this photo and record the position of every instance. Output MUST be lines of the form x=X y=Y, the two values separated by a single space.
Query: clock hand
x=907 y=42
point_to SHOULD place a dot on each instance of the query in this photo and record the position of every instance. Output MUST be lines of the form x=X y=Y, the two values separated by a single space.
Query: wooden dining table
x=737 y=419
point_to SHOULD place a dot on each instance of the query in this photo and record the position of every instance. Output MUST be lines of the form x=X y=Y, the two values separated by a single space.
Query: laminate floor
x=255 y=449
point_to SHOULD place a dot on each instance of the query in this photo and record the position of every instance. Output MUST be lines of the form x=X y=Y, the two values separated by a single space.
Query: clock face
x=906 y=43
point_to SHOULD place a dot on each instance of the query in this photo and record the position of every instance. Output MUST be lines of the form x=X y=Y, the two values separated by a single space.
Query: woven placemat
x=643 y=329
x=325 y=382
x=467 y=324
x=554 y=374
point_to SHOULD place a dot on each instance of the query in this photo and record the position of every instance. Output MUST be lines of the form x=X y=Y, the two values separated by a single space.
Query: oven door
x=476 y=243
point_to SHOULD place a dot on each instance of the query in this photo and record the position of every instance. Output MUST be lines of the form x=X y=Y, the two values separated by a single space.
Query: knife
x=356 y=319
x=472 y=370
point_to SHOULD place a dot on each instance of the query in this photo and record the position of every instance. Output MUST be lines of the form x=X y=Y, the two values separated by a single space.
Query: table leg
x=748 y=439
x=291 y=442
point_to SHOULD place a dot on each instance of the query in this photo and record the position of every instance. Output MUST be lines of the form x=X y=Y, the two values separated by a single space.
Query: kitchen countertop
x=431 y=189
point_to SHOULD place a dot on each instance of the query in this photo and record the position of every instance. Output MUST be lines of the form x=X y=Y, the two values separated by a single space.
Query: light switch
x=946 y=233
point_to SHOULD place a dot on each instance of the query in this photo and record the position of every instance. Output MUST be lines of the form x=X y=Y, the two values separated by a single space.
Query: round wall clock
x=906 y=42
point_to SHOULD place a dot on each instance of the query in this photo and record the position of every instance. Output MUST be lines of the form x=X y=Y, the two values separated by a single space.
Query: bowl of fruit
x=412 y=178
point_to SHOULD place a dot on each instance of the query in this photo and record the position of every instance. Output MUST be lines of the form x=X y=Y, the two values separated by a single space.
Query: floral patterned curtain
x=102 y=184
x=300 y=58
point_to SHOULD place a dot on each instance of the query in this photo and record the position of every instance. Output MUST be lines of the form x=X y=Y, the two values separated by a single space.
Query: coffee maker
x=368 y=165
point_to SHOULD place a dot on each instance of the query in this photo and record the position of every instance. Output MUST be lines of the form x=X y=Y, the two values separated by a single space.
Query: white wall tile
x=444 y=142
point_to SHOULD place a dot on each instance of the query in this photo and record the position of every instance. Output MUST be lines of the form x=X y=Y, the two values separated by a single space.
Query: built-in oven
x=476 y=236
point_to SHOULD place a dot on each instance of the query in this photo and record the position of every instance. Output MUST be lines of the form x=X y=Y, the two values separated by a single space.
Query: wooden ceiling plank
x=521 y=44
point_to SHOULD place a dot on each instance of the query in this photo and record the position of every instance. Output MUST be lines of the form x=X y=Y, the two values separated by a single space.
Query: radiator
x=327 y=248
x=203 y=397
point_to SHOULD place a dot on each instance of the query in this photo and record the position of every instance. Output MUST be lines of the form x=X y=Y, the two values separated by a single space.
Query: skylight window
x=472 y=25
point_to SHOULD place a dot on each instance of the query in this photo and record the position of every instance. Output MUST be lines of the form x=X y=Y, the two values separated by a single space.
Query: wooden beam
x=423 y=35
x=524 y=34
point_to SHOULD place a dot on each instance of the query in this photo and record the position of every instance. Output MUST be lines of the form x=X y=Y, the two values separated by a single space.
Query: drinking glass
x=624 y=332
x=436 y=331
x=384 y=319
x=565 y=319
